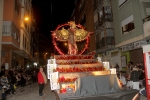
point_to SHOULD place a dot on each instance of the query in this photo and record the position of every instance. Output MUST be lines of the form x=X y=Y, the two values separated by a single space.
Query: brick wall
x=88 y=10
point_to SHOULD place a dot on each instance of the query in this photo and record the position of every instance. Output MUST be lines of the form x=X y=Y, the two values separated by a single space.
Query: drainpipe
x=1 y=22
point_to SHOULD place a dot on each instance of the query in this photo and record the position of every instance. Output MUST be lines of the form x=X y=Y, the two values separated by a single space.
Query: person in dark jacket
x=135 y=74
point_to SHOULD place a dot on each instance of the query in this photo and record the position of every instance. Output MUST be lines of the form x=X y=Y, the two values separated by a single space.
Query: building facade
x=16 y=34
x=10 y=31
x=129 y=18
x=46 y=48
x=120 y=28
x=83 y=14
x=104 y=32
x=1 y=21
x=35 y=43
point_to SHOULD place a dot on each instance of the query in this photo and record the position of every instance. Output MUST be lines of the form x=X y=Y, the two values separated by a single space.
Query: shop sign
x=114 y=53
x=137 y=45
x=124 y=48
x=131 y=46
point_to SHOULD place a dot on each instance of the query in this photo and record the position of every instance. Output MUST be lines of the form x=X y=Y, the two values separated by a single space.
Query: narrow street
x=30 y=92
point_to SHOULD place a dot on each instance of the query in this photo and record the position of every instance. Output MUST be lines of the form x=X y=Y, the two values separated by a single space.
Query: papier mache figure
x=72 y=35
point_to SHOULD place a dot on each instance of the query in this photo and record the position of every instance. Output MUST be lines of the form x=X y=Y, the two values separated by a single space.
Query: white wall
x=146 y=27
x=112 y=59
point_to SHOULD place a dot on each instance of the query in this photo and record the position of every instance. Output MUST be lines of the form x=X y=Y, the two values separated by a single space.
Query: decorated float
x=76 y=75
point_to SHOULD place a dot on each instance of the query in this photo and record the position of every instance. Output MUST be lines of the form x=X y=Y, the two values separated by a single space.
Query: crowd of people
x=133 y=77
x=13 y=78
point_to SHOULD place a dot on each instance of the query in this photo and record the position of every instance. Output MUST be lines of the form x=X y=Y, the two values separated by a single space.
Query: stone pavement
x=30 y=92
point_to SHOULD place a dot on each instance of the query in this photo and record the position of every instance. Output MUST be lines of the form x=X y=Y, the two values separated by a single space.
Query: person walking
x=41 y=81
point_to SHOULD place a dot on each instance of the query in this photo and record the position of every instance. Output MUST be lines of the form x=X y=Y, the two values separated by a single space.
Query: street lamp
x=65 y=44
x=26 y=18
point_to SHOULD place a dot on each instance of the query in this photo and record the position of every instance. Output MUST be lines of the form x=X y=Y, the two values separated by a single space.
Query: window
x=121 y=2
x=23 y=41
x=83 y=20
x=127 y=25
x=18 y=39
x=105 y=15
x=110 y=40
x=97 y=41
x=5 y=30
x=100 y=14
x=148 y=11
x=81 y=5
x=96 y=24
x=95 y=18
x=107 y=10
x=16 y=7
x=102 y=34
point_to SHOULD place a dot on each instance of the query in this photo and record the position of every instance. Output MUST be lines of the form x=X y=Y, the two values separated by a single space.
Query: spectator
x=41 y=81
x=2 y=71
x=130 y=65
x=135 y=74
x=34 y=76
x=122 y=78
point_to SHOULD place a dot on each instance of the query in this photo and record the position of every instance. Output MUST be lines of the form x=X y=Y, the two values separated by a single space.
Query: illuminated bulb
x=26 y=18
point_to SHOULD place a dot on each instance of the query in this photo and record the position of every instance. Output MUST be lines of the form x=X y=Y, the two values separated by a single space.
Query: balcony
x=10 y=43
x=106 y=18
x=110 y=40
x=105 y=43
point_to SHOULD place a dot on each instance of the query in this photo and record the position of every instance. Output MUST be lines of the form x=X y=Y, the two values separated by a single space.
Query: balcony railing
x=105 y=42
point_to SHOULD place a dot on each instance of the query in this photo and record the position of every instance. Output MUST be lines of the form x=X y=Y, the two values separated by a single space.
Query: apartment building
x=131 y=25
x=1 y=21
x=46 y=48
x=16 y=33
x=83 y=14
x=35 y=43
x=10 y=31
x=104 y=32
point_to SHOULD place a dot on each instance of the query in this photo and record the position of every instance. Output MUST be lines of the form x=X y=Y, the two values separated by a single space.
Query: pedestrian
x=41 y=81
x=135 y=74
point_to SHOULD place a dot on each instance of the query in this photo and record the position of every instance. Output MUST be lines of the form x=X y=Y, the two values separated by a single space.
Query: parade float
x=76 y=75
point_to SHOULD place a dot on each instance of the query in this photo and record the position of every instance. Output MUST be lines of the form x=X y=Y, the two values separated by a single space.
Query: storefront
x=17 y=61
x=133 y=52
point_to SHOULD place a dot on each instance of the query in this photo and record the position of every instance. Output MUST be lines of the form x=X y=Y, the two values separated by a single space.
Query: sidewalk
x=30 y=92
